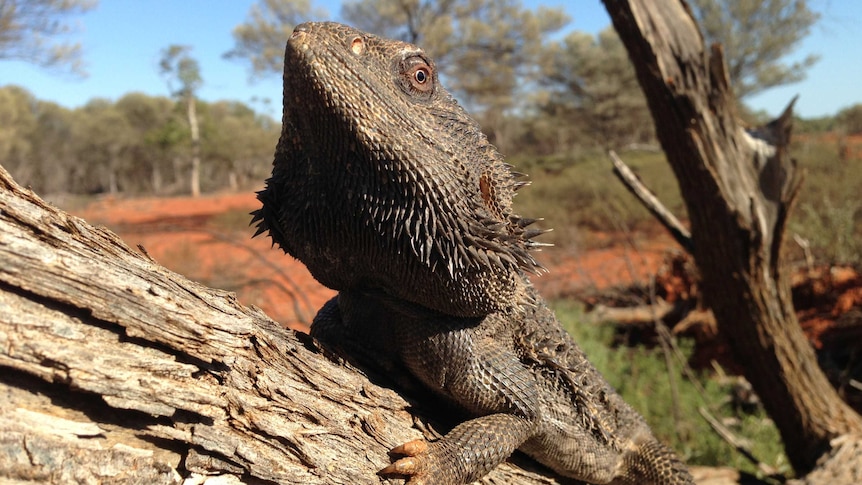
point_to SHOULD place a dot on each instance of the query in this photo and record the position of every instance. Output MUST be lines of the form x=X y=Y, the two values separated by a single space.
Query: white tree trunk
x=195 y=176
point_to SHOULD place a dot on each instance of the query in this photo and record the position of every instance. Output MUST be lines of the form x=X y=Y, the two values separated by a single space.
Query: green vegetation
x=554 y=103
x=136 y=144
x=641 y=377
x=776 y=27
x=581 y=192
x=38 y=31
x=829 y=212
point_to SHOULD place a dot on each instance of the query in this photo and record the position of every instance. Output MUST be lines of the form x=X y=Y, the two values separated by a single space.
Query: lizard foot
x=412 y=465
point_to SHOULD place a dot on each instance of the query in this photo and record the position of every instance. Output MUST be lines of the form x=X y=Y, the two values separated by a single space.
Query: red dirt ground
x=206 y=239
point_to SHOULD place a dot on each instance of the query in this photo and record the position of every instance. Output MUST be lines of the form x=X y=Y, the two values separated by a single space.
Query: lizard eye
x=417 y=76
x=420 y=77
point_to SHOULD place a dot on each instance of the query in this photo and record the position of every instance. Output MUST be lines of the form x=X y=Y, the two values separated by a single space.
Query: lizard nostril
x=299 y=32
x=357 y=45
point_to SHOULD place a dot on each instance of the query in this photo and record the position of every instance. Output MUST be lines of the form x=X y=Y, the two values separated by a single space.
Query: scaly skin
x=388 y=191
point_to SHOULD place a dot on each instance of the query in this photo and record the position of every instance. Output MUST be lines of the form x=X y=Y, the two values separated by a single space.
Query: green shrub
x=641 y=377
x=583 y=193
x=829 y=210
x=580 y=194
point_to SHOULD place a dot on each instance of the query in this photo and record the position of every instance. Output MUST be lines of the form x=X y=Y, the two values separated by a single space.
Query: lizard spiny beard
x=381 y=181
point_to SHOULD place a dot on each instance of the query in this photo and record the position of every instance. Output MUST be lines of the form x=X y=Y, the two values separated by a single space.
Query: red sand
x=188 y=236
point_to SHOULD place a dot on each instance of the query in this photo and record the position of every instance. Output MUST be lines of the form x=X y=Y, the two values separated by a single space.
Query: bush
x=641 y=377
x=583 y=193
x=580 y=194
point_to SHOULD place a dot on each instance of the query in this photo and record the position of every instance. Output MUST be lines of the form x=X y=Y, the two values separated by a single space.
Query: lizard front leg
x=483 y=376
x=465 y=454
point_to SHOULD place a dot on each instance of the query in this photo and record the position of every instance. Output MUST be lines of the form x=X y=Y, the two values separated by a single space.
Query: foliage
x=104 y=137
x=581 y=192
x=640 y=375
x=829 y=210
x=137 y=144
x=821 y=124
x=484 y=48
x=578 y=191
x=179 y=67
x=32 y=30
x=850 y=119
x=592 y=85
x=591 y=95
x=756 y=36
x=260 y=39
x=833 y=229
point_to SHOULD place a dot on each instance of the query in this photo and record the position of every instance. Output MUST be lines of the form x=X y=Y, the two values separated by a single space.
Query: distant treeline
x=137 y=144
x=140 y=144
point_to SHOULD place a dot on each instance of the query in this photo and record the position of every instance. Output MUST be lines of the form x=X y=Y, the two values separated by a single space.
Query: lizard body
x=388 y=191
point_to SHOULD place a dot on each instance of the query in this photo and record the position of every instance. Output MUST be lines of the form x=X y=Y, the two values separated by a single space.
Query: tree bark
x=739 y=190
x=115 y=369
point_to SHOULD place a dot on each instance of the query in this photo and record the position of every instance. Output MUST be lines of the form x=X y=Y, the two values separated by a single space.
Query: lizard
x=389 y=192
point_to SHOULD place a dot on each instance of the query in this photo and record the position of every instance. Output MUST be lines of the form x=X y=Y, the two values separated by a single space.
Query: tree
x=593 y=86
x=30 y=29
x=17 y=122
x=148 y=117
x=178 y=66
x=756 y=35
x=484 y=48
x=52 y=158
x=850 y=119
x=139 y=143
x=739 y=189
x=240 y=141
x=103 y=137
x=261 y=38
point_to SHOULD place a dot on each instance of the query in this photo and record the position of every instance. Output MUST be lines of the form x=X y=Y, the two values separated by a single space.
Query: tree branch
x=651 y=202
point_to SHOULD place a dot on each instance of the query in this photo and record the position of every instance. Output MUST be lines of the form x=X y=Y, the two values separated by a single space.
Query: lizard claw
x=402 y=466
x=411 y=448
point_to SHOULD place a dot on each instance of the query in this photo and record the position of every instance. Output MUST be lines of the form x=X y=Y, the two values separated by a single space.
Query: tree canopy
x=138 y=144
x=535 y=88
x=37 y=31
x=592 y=86
x=260 y=39
x=757 y=36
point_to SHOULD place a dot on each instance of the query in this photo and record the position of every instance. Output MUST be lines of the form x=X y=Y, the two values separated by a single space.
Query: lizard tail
x=654 y=463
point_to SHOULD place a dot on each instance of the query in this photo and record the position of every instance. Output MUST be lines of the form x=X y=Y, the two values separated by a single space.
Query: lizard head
x=382 y=182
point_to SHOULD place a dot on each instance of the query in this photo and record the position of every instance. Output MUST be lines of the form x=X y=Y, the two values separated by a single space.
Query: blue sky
x=122 y=40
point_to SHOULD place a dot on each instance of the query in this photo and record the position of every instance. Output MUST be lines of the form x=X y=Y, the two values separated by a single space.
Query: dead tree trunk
x=738 y=191
x=114 y=369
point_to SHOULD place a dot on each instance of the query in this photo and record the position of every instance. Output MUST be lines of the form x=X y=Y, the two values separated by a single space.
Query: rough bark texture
x=738 y=191
x=114 y=369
